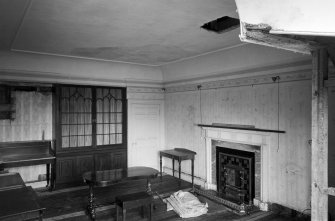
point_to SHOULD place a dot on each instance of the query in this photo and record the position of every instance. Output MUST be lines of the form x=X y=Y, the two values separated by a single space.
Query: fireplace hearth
x=235 y=175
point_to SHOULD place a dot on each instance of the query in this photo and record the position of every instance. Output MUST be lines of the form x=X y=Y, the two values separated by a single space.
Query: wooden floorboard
x=70 y=203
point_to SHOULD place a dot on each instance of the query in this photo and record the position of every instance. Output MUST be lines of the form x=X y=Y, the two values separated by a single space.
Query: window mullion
x=94 y=118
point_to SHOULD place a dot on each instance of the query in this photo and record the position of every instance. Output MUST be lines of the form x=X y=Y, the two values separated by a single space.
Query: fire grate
x=235 y=175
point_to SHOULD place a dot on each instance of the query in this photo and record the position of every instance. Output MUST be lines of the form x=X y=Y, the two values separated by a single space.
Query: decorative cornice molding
x=144 y=90
x=244 y=81
x=53 y=77
x=145 y=93
x=246 y=72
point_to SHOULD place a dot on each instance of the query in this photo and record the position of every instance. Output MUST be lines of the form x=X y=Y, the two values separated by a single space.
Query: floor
x=70 y=203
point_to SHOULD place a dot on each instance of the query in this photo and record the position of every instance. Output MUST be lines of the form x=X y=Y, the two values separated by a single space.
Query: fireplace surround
x=252 y=141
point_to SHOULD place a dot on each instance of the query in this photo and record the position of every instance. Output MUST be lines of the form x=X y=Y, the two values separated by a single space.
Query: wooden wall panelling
x=119 y=160
x=110 y=160
x=103 y=161
x=65 y=169
x=253 y=105
x=83 y=164
x=182 y=112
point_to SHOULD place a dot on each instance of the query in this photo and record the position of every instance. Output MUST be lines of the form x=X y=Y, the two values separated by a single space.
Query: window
x=91 y=116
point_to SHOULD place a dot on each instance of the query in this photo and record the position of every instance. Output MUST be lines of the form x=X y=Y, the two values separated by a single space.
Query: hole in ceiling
x=221 y=25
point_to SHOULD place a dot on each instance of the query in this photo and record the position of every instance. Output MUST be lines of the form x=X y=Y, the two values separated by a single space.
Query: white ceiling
x=151 y=32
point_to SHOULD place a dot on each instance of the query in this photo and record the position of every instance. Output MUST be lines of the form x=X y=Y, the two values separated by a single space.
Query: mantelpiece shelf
x=241 y=128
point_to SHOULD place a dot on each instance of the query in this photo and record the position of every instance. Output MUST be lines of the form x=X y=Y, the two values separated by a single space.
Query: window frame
x=93 y=146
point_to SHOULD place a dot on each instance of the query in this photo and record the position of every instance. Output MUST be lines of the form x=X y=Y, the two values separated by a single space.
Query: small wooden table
x=178 y=154
x=106 y=178
x=18 y=202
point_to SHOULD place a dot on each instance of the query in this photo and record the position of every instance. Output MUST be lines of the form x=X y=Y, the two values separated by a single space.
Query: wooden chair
x=133 y=200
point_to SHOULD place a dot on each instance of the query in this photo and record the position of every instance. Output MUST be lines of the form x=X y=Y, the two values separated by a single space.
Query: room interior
x=172 y=84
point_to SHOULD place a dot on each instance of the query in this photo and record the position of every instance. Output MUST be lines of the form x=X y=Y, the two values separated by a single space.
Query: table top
x=18 y=201
x=110 y=177
x=178 y=153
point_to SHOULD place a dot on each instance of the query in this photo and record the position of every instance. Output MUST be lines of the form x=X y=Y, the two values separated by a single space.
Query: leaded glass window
x=91 y=116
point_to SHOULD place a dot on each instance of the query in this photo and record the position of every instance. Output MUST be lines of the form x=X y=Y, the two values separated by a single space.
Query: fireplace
x=235 y=175
x=256 y=142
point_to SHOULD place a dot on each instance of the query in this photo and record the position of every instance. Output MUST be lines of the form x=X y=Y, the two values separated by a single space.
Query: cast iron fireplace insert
x=235 y=175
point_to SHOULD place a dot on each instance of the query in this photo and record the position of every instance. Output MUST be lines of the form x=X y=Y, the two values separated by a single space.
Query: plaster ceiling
x=151 y=32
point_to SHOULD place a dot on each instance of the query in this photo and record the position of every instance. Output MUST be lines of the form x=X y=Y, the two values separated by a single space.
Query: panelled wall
x=260 y=102
x=33 y=121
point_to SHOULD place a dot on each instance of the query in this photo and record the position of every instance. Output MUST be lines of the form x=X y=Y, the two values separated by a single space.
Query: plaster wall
x=33 y=121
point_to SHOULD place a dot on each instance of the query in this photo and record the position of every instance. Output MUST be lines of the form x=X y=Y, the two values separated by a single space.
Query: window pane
x=65 y=130
x=65 y=142
x=106 y=128
x=112 y=139
x=88 y=140
x=99 y=118
x=100 y=128
x=73 y=141
x=88 y=129
x=99 y=139
x=81 y=129
x=65 y=118
x=81 y=141
x=119 y=128
x=112 y=128
x=119 y=138
x=119 y=106
x=119 y=118
x=106 y=139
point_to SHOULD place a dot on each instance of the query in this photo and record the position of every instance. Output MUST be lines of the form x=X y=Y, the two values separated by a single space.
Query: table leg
x=91 y=206
x=48 y=175
x=148 y=185
x=40 y=215
x=179 y=168
x=53 y=175
x=173 y=167
x=160 y=164
x=192 y=172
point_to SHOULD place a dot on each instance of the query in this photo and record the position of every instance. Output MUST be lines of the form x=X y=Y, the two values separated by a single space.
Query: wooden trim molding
x=144 y=93
x=241 y=128
x=245 y=81
x=319 y=164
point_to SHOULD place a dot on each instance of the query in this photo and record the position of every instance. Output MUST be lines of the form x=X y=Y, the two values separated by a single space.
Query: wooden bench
x=18 y=202
x=133 y=200
x=29 y=153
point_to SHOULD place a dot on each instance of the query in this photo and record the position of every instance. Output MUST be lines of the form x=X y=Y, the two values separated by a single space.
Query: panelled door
x=145 y=132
